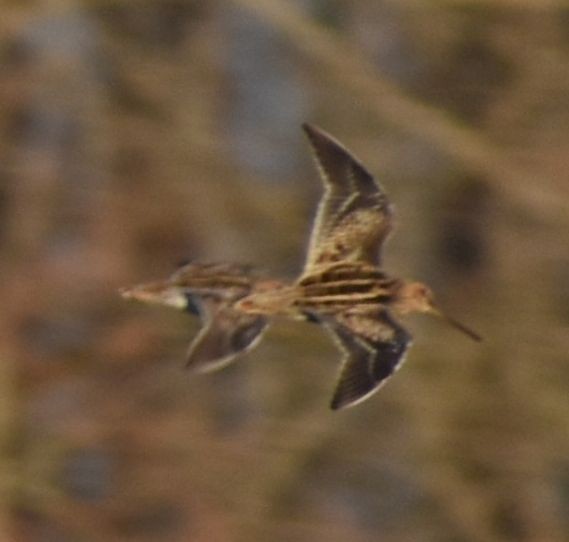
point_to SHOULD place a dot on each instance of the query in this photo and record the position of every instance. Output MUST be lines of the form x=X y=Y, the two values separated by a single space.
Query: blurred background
x=137 y=135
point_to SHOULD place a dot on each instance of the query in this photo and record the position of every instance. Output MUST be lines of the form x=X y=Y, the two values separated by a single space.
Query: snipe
x=342 y=286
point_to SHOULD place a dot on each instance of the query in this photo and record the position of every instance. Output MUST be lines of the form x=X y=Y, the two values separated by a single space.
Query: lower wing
x=226 y=334
x=374 y=345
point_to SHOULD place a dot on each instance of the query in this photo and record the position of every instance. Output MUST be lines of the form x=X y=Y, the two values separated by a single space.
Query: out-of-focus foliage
x=136 y=135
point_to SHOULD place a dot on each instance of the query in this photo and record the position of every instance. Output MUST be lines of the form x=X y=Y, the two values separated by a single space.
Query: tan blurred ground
x=136 y=135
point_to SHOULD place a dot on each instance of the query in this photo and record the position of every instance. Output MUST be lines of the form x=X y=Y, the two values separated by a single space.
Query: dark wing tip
x=351 y=390
x=336 y=404
x=316 y=135
x=308 y=128
x=339 y=162
x=344 y=400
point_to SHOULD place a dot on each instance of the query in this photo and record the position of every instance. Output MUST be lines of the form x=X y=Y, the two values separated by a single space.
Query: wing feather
x=226 y=334
x=374 y=345
x=354 y=216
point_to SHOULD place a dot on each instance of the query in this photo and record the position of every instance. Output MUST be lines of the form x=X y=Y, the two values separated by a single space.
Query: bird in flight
x=342 y=287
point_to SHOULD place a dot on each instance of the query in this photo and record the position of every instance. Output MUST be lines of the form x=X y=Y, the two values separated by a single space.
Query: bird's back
x=345 y=285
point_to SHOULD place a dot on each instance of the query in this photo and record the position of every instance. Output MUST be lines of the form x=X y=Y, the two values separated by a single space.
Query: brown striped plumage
x=342 y=285
x=211 y=291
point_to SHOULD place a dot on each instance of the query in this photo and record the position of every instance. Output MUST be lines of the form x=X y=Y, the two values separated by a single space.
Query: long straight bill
x=458 y=325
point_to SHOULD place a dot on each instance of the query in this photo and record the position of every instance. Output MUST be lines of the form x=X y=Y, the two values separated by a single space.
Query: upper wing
x=374 y=345
x=354 y=216
x=219 y=280
x=194 y=282
x=226 y=334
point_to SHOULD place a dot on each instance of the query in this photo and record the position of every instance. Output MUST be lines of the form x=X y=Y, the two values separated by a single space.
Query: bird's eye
x=423 y=291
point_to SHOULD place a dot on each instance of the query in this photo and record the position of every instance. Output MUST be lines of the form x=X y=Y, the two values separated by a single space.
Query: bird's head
x=417 y=297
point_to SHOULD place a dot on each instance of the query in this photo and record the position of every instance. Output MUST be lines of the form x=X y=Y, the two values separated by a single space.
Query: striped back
x=344 y=285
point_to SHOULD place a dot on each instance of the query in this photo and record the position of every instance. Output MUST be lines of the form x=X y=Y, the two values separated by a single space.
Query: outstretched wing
x=354 y=216
x=374 y=345
x=226 y=334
